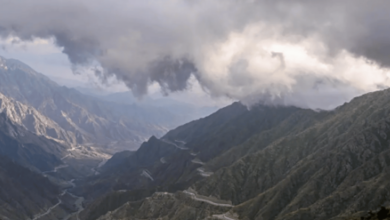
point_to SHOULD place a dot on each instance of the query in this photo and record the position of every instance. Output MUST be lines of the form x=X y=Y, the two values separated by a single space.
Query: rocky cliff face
x=267 y=162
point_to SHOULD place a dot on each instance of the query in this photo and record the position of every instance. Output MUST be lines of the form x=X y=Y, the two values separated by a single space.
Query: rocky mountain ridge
x=32 y=120
x=87 y=120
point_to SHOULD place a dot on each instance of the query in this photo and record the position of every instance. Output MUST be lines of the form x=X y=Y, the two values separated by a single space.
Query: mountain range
x=265 y=162
x=51 y=135
x=84 y=119
x=257 y=162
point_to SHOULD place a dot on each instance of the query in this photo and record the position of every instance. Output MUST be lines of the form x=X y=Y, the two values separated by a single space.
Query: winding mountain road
x=224 y=216
x=57 y=168
x=194 y=197
x=177 y=146
x=48 y=211
x=147 y=174
x=78 y=203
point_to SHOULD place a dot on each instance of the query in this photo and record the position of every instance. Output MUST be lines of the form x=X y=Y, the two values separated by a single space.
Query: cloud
x=314 y=54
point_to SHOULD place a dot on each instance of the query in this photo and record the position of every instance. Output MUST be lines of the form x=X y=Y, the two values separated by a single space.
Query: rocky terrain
x=263 y=163
x=63 y=143
x=30 y=118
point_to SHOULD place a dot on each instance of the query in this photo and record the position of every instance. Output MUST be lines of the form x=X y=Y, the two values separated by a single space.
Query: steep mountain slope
x=269 y=162
x=217 y=130
x=34 y=121
x=89 y=120
x=23 y=193
x=34 y=177
x=28 y=149
x=26 y=118
x=333 y=169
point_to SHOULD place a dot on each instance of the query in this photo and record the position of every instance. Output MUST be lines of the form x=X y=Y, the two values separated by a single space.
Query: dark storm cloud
x=247 y=50
x=80 y=51
x=172 y=75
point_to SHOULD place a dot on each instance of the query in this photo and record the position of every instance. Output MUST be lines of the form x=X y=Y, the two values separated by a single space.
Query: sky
x=47 y=58
x=311 y=54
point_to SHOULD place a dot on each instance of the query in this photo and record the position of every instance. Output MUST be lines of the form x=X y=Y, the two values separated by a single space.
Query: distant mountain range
x=107 y=122
x=264 y=162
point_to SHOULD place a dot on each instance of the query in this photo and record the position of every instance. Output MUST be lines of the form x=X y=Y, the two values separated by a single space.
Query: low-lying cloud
x=313 y=54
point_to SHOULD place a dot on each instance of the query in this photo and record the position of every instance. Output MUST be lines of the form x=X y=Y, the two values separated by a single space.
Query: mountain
x=30 y=186
x=204 y=139
x=175 y=161
x=34 y=121
x=266 y=162
x=23 y=193
x=21 y=118
x=84 y=119
x=28 y=149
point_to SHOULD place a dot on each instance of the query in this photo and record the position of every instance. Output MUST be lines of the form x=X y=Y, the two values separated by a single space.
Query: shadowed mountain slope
x=173 y=162
x=32 y=120
x=23 y=193
x=269 y=162
x=28 y=149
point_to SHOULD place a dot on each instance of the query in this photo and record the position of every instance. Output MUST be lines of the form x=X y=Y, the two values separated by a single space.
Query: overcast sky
x=47 y=58
x=315 y=54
